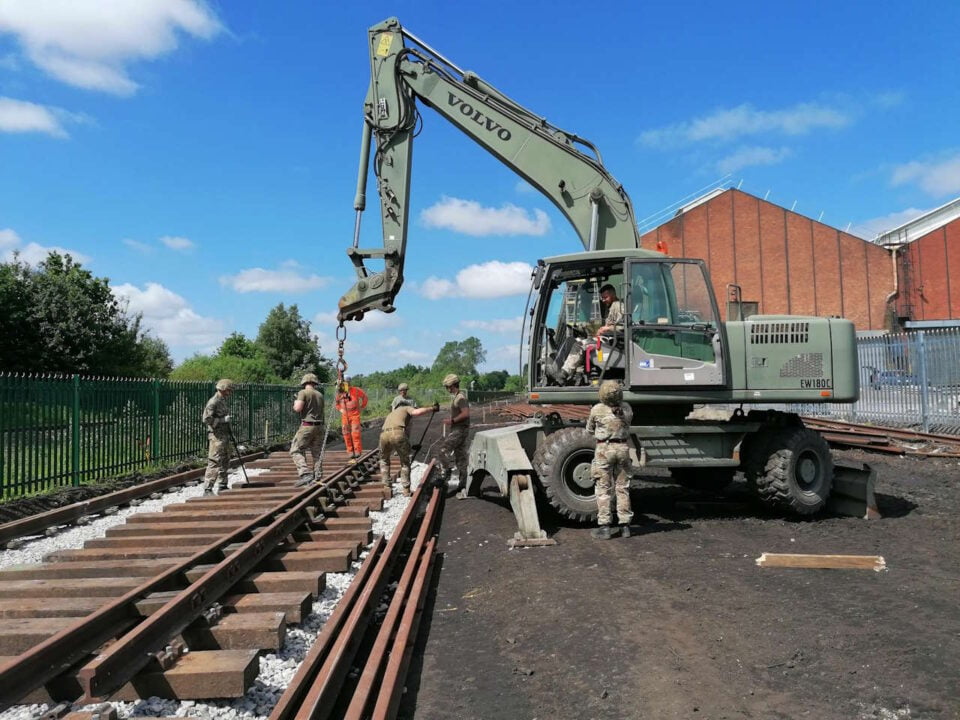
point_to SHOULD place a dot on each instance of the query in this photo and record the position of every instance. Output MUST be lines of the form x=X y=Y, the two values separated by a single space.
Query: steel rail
x=391 y=688
x=60 y=652
x=35 y=524
x=318 y=683
x=371 y=677
x=128 y=655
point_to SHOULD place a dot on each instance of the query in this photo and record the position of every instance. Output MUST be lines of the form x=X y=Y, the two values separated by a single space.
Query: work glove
x=436 y=407
x=226 y=419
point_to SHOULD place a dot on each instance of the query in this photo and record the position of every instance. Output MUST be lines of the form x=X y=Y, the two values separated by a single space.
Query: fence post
x=924 y=398
x=155 y=431
x=75 y=434
x=249 y=438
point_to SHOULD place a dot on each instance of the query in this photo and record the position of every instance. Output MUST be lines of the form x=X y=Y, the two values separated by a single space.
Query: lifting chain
x=341 y=363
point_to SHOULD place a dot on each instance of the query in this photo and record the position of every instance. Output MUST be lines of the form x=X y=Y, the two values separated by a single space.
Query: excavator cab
x=647 y=321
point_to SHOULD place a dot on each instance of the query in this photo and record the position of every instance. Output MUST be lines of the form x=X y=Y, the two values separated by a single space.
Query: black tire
x=563 y=467
x=798 y=473
x=706 y=479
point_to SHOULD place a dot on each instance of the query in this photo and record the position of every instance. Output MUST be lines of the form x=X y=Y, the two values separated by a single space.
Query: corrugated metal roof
x=918 y=227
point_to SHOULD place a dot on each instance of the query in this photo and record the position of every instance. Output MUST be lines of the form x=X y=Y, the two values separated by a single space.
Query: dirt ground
x=678 y=621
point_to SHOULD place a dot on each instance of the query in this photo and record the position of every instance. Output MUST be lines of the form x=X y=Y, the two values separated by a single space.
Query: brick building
x=788 y=263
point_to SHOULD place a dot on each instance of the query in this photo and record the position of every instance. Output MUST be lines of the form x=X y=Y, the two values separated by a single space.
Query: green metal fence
x=59 y=430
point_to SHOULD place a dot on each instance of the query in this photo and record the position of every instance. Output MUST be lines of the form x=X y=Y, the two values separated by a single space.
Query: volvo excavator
x=671 y=352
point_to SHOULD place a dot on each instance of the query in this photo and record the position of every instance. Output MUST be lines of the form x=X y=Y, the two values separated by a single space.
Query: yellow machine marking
x=386 y=40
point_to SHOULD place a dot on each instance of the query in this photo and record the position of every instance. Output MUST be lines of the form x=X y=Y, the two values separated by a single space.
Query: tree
x=461 y=357
x=58 y=317
x=155 y=360
x=238 y=345
x=288 y=346
x=493 y=380
x=214 y=367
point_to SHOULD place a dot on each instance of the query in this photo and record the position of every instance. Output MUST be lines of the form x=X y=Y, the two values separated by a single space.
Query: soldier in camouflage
x=611 y=313
x=609 y=422
x=401 y=398
x=395 y=438
x=311 y=433
x=216 y=416
x=453 y=448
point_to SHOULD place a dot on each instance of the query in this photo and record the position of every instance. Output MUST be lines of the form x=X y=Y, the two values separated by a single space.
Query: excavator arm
x=565 y=168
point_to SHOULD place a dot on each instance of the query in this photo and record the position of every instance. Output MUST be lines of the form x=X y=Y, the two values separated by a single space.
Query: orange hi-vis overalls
x=350 y=403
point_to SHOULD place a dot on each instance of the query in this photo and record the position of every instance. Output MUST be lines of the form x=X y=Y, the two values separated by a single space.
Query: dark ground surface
x=679 y=622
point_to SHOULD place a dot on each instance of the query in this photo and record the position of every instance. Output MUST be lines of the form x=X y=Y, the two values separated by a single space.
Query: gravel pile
x=276 y=669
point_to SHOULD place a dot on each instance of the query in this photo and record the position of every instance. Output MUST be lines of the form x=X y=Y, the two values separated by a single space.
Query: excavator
x=671 y=351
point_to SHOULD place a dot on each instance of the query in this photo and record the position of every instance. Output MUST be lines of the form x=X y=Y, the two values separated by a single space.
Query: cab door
x=675 y=337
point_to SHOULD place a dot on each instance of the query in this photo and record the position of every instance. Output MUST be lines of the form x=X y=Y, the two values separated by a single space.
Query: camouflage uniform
x=311 y=434
x=575 y=358
x=218 y=435
x=401 y=399
x=609 y=422
x=394 y=439
x=453 y=448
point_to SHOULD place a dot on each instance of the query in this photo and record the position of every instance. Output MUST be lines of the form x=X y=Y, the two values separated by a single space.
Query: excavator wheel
x=563 y=466
x=798 y=473
x=703 y=479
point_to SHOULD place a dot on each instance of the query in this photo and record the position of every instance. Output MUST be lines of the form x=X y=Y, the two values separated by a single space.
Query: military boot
x=305 y=479
x=625 y=531
x=601 y=533
x=207 y=491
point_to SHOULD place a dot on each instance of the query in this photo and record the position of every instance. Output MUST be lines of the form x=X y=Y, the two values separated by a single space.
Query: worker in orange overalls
x=350 y=401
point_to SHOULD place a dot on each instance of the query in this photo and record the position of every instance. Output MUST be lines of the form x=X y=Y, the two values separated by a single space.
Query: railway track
x=180 y=604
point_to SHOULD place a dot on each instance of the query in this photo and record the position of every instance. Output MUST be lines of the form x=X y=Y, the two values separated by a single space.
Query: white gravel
x=276 y=669
x=72 y=537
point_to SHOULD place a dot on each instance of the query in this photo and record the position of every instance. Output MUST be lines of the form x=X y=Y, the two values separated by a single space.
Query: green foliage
x=461 y=357
x=58 y=317
x=238 y=345
x=238 y=369
x=288 y=346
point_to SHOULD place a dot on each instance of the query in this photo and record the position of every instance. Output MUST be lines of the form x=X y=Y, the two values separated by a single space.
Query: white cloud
x=170 y=317
x=503 y=325
x=20 y=116
x=471 y=218
x=89 y=43
x=869 y=229
x=8 y=238
x=372 y=321
x=177 y=243
x=411 y=356
x=505 y=357
x=935 y=177
x=487 y=280
x=750 y=156
x=140 y=247
x=287 y=279
x=729 y=124
x=32 y=253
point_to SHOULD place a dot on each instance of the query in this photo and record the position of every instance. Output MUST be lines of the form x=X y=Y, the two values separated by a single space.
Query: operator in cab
x=611 y=313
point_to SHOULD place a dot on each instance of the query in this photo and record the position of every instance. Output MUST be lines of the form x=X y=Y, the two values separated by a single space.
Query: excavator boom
x=565 y=168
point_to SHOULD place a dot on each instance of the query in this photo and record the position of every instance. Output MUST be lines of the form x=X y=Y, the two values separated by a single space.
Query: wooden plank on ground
x=838 y=562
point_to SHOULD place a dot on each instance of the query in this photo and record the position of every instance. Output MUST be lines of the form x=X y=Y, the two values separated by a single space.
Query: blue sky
x=203 y=156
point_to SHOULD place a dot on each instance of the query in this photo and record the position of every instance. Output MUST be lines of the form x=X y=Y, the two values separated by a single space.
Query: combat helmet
x=611 y=393
x=309 y=378
x=225 y=384
x=402 y=386
x=450 y=380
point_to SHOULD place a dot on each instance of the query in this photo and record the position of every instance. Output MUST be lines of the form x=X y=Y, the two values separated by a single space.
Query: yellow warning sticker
x=386 y=40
